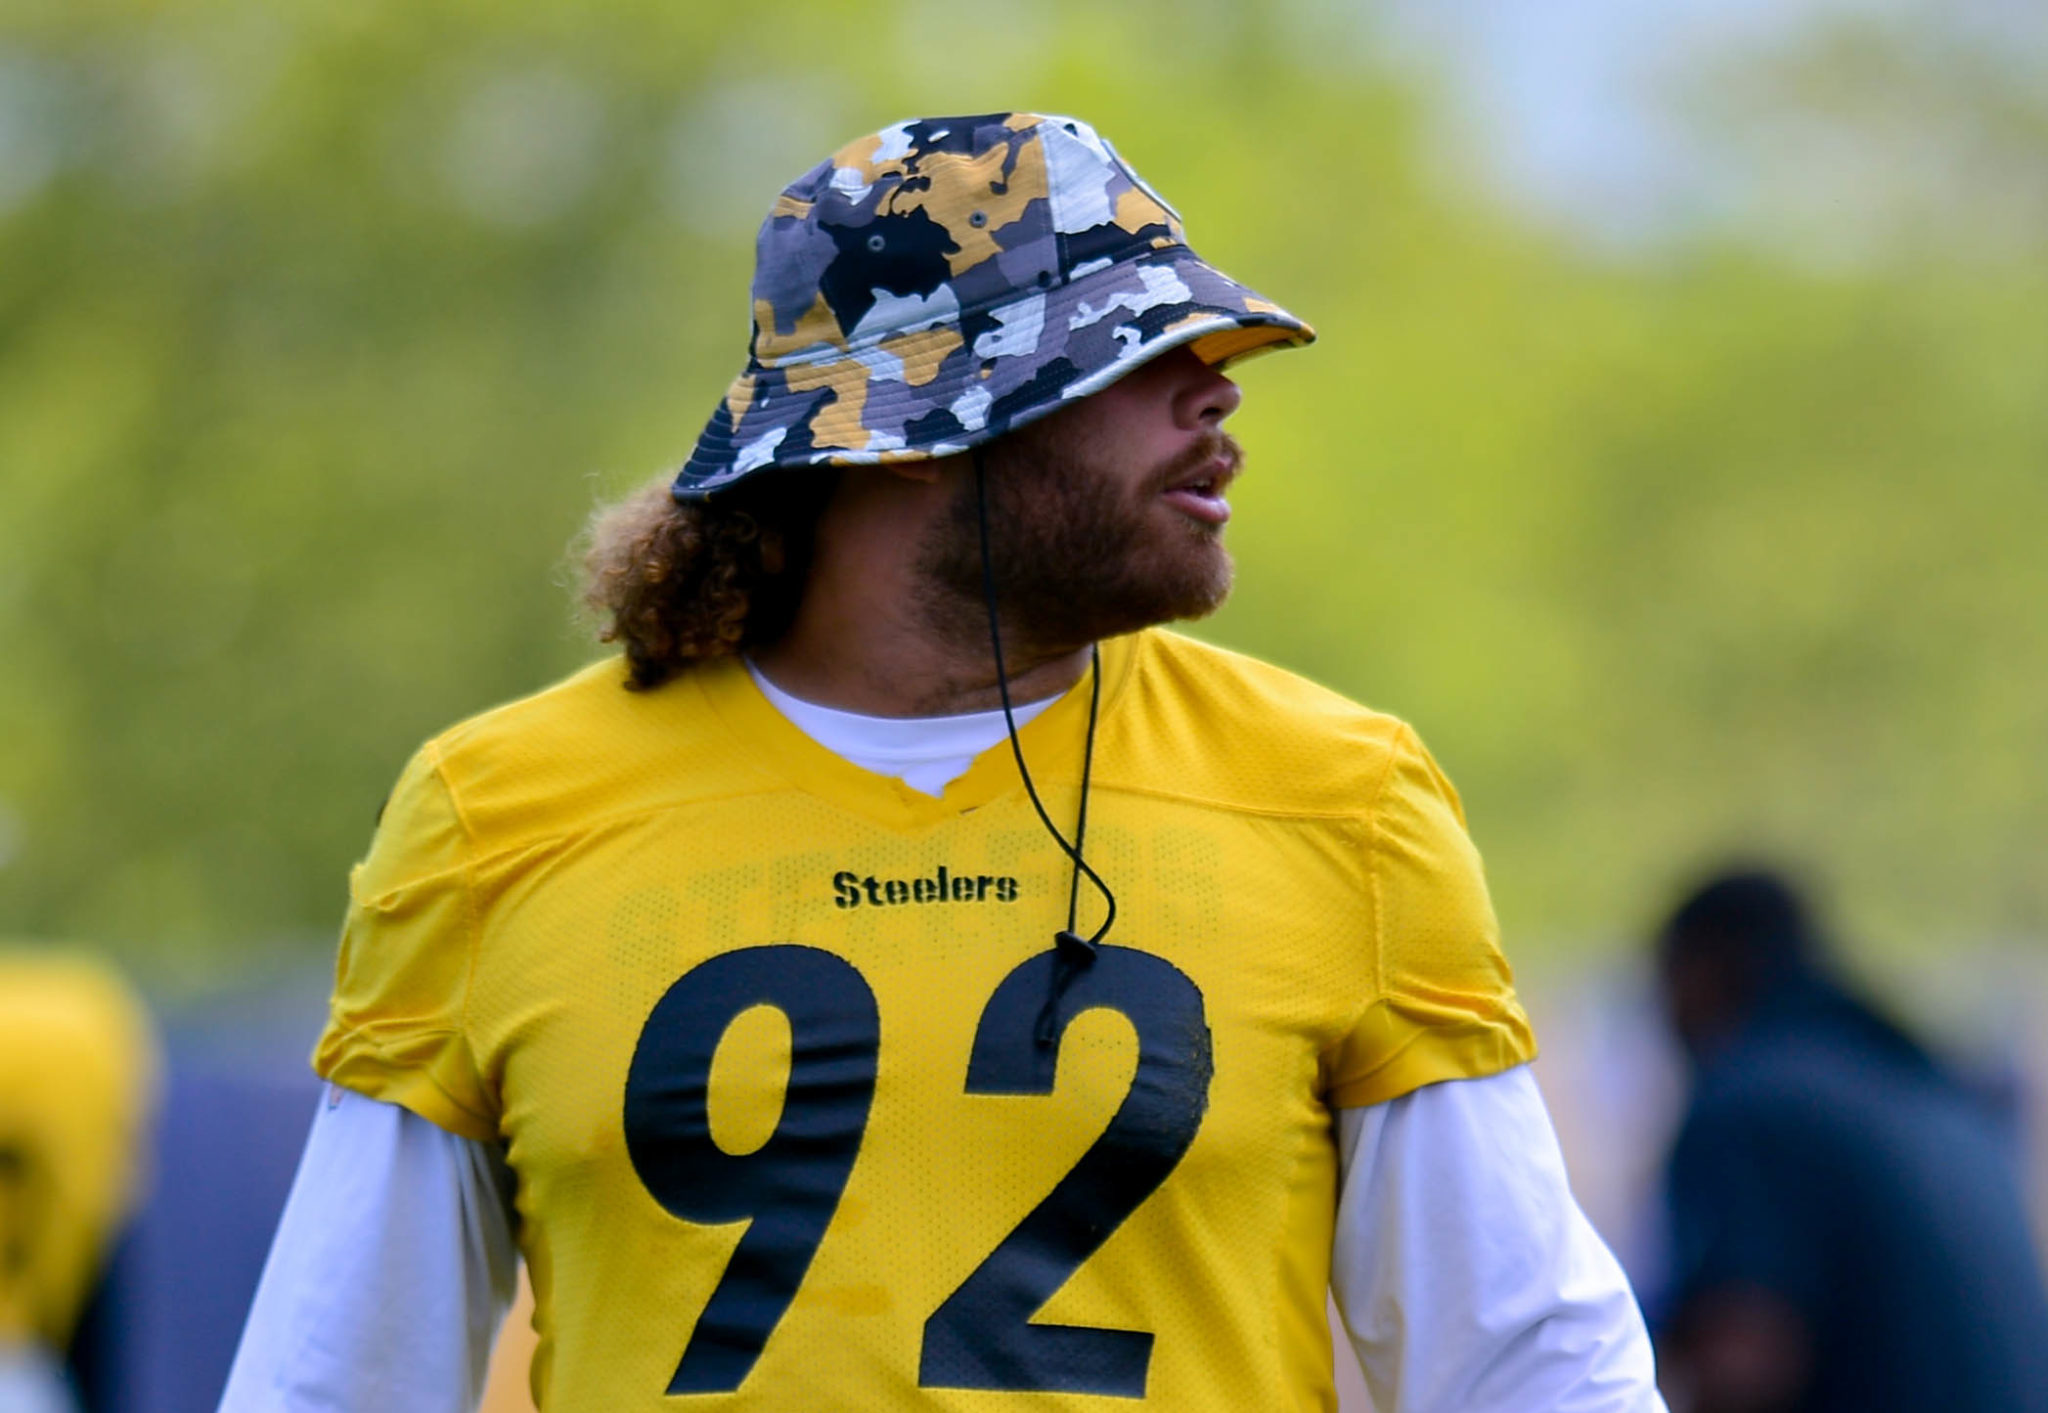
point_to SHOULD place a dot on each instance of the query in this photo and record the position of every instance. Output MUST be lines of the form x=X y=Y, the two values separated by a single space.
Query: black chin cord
x=1073 y=953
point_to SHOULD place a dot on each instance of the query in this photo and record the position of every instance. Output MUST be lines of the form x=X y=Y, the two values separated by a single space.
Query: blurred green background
x=1698 y=514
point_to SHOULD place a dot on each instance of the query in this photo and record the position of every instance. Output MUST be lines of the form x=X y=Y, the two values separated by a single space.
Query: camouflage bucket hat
x=949 y=279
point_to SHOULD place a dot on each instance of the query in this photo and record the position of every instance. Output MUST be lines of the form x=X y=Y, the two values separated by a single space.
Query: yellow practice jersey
x=804 y=1113
x=77 y=1076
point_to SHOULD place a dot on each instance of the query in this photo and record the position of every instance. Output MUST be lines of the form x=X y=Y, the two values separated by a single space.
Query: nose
x=1205 y=397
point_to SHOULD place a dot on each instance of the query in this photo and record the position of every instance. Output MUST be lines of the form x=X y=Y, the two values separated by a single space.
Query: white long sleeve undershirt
x=1468 y=1277
x=391 y=1272
x=1469 y=1280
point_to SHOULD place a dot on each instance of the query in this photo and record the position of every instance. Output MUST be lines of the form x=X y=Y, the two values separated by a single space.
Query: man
x=78 y=1079
x=849 y=1055
x=1847 y=1228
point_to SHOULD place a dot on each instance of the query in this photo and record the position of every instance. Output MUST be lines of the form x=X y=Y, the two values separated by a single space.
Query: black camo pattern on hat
x=948 y=279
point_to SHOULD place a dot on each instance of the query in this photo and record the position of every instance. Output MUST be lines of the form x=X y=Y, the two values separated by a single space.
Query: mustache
x=1214 y=445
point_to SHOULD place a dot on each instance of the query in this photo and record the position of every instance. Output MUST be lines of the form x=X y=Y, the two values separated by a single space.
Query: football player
x=906 y=975
x=78 y=1078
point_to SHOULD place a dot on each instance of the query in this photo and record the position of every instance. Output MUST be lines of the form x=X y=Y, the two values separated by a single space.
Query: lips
x=1198 y=491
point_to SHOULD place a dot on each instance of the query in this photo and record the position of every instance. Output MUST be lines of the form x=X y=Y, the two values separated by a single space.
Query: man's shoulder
x=587 y=747
x=1255 y=687
x=1241 y=732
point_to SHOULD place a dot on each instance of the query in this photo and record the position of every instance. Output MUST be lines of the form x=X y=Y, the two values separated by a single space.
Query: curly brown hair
x=677 y=584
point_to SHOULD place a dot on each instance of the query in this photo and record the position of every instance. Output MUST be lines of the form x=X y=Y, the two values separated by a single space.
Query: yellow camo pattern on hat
x=945 y=280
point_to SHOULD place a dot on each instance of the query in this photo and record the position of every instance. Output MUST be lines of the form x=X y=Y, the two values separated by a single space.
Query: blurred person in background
x=1848 y=1234
x=78 y=1075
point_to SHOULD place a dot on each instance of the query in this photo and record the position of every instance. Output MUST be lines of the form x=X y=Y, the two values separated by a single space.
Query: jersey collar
x=1052 y=742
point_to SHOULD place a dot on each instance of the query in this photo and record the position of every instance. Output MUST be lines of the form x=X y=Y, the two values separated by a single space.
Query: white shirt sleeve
x=1467 y=1276
x=393 y=1266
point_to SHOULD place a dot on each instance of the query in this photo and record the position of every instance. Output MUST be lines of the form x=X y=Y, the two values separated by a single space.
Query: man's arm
x=393 y=1266
x=1468 y=1278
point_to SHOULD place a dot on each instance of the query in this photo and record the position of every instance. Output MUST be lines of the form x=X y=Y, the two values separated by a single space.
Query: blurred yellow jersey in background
x=803 y=1111
x=78 y=1076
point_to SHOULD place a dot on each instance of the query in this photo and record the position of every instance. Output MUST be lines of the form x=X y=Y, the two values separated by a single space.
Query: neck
x=880 y=668
x=866 y=637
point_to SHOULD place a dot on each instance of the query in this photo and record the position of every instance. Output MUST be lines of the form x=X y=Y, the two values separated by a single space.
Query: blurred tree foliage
x=323 y=325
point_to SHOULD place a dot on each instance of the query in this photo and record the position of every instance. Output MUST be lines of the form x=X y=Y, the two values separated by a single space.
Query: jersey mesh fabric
x=546 y=873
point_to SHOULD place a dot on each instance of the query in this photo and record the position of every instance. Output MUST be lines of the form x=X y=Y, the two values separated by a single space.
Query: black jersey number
x=790 y=1185
x=981 y=1336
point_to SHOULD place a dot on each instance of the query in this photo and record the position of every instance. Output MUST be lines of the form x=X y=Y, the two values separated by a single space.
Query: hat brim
x=972 y=375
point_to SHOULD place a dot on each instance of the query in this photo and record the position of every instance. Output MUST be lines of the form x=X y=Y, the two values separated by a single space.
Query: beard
x=1078 y=551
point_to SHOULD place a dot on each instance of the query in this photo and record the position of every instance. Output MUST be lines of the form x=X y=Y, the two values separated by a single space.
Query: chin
x=1207 y=575
x=1193 y=586
x=1205 y=604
